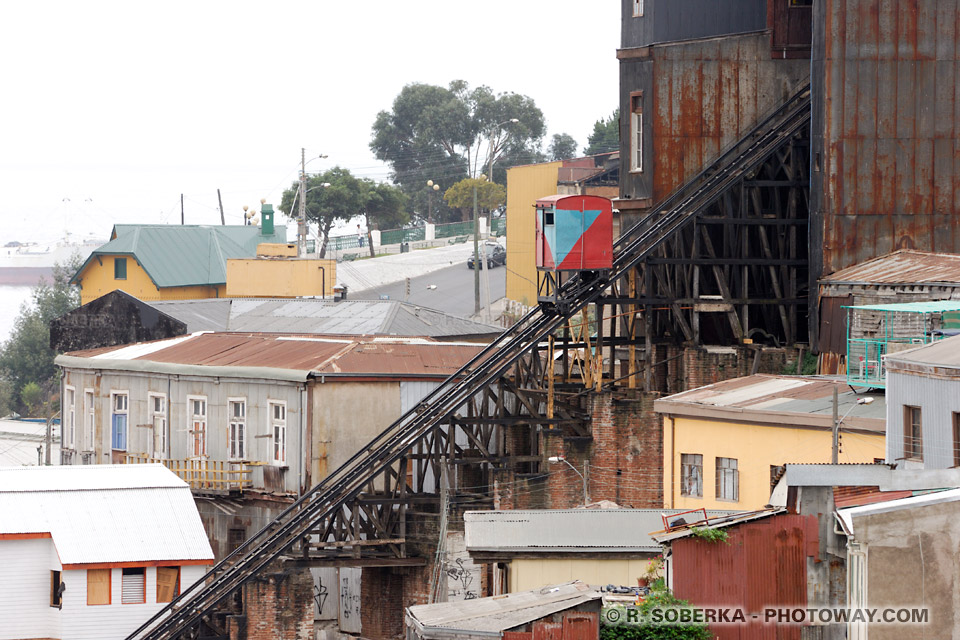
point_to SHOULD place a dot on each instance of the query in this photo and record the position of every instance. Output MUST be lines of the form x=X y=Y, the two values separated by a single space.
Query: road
x=453 y=292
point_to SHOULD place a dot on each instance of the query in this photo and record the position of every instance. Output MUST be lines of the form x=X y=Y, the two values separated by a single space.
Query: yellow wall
x=254 y=278
x=97 y=280
x=526 y=574
x=286 y=249
x=756 y=447
x=525 y=185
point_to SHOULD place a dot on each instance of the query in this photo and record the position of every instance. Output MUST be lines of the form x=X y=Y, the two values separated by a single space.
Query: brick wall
x=385 y=592
x=278 y=605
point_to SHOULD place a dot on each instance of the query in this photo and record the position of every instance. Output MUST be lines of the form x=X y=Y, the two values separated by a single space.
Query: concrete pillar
x=375 y=238
x=429 y=231
x=484 y=226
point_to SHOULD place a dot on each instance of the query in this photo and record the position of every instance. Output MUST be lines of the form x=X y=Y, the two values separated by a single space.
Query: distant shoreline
x=24 y=276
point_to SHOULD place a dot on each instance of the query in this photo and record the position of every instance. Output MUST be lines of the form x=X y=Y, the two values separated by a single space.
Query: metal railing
x=202 y=475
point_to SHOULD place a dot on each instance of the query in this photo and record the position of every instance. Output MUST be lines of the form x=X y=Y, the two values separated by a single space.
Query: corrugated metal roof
x=500 y=613
x=310 y=315
x=349 y=356
x=857 y=496
x=903 y=267
x=944 y=353
x=720 y=523
x=847 y=516
x=930 y=306
x=109 y=513
x=184 y=255
x=560 y=530
x=764 y=397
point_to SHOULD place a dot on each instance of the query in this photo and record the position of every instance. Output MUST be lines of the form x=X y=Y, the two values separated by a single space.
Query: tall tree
x=449 y=133
x=326 y=205
x=562 y=146
x=26 y=357
x=489 y=196
x=605 y=136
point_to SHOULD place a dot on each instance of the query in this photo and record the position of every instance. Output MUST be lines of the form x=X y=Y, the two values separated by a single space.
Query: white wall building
x=92 y=552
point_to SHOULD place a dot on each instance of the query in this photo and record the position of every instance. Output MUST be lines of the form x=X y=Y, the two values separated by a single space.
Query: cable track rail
x=335 y=492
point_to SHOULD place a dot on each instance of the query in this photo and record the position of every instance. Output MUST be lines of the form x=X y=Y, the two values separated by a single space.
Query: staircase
x=197 y=607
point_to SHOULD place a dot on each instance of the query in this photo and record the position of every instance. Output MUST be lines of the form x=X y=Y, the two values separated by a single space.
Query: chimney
x=266 y=220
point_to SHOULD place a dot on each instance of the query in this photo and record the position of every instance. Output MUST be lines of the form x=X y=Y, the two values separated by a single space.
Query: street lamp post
x=302 y=217
x=583 y=476
x=837 y=420
x=431 y=187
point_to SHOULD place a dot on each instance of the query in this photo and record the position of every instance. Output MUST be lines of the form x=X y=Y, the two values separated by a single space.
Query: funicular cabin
x=574 y=233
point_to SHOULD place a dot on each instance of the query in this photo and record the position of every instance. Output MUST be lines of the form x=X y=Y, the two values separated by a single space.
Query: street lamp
x=496 y=127
x=555 y=459
x=302 y=218
x=837 y=420
x=431 y=188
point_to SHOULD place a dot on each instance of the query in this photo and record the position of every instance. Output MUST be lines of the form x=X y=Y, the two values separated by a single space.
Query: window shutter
x=98 y=586
x=168 y=579
x=133 y=586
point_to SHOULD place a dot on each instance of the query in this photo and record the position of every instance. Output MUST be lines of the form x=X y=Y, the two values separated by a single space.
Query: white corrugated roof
x=108 y=513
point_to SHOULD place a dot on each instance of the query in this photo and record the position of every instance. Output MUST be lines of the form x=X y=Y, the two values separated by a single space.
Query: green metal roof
x=933 y=306
x=184 y=255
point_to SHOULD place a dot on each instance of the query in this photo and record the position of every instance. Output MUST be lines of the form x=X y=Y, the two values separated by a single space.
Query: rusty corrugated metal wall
x=706 y=95
x=887 y=129
x=763 y=564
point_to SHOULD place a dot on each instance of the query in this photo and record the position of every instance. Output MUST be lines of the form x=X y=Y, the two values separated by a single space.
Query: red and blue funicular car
x=574 y=233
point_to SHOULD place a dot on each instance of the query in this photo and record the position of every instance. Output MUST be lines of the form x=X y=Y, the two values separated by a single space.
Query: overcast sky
x=111 y=110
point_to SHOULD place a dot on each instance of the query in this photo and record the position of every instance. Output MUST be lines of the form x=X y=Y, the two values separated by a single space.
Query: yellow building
x=725 y=444
x=169 y=262
x=280 y=278
x=541 y=547
x=592 y=175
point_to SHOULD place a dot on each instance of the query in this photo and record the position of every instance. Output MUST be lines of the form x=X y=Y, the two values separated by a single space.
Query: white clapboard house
x=94 y=551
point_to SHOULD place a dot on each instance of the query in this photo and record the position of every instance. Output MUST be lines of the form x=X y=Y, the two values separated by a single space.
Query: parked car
x=496 y=254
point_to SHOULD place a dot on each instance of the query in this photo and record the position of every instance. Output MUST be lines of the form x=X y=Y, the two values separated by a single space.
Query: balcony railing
x=212 y=476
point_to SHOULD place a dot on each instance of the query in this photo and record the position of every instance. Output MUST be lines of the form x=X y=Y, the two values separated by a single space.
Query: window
x=119 y=268
x=912 y=433
x=691 y=475
x=237 y=428
x=278 y=426
x=198 y=425
x=98 y=586
x=235 y=538
x=637 y=8
x=158 y=417
x=89 y=424
x=118 y=422
x=168 y=583
x=956 y=439
x=776 y=470
x=728 y=481
x=69 y=434
x=133 y=586
x=801 y=3
x=636 y=132
x=56 y=590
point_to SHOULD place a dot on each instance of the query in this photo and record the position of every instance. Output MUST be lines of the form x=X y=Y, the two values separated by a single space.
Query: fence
x=396 y=236
x=453 y=229
x=498 y=226
x=203 y=475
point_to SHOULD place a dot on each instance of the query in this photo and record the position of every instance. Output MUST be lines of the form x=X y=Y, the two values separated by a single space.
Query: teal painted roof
x=184 y=255
x=933 y=306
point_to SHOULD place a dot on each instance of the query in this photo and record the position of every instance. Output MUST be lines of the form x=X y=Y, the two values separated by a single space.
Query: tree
x=325 y=205
x=605 y=136
x=489 y=196
x=449 y=133
x=26 y=357
x=562 y=146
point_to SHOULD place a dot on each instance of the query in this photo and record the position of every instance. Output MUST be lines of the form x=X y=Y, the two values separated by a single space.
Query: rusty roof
x=857 y=496
x=902 y=267
x=356 y=357
x=779 y=399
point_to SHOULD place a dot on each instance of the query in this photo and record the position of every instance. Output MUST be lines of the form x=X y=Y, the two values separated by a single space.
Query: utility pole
x=223 y=220
x=476 y=253
x=181 y=209
x=302 y=218
x=836 y=427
